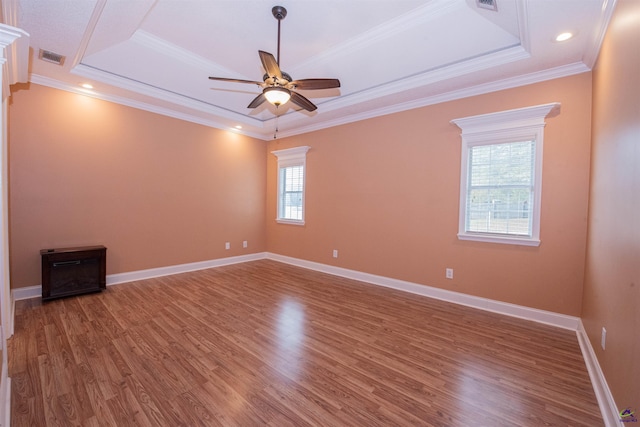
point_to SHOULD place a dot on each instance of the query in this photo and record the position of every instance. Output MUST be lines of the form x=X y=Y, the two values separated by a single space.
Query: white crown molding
x=504 y=56
x=523 y=24
x=15 y=59
x=179 y=54
x=601 y=389
x=420 y=16
x=509 y=83
x=527 y=117
x=511 y=54
x=56 y=84
x=295 y=153
x=88 y=33
x=174 y=98
x=593 y=46
x=432 y=10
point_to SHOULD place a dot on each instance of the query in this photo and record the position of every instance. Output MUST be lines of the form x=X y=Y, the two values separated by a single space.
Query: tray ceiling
x=389 y=55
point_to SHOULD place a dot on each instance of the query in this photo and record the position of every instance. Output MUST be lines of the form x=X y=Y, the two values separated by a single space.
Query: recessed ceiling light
x=238 y=127
x=564 y=37
x=87 y=85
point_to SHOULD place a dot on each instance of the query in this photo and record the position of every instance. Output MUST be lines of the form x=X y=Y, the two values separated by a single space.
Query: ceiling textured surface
x=390 y=56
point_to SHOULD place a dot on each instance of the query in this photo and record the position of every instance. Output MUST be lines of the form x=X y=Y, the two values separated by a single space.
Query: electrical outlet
x=244 y=244
x=603 y=340
x=227 y=245
x=449 y=273
x=335 y=253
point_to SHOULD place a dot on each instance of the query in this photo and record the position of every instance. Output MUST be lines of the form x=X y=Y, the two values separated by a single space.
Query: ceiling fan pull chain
x=276 y=131
x=277 y=86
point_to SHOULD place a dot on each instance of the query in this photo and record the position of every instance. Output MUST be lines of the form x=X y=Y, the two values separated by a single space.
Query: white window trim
x=296 y=156
x=523 y=124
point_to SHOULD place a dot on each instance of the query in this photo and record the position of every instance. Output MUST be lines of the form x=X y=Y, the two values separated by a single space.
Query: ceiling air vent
x=488 y=4
x=48 y=56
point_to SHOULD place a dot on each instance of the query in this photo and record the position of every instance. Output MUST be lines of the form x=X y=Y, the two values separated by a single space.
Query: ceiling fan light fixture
x=277 y=95
x=278 y=86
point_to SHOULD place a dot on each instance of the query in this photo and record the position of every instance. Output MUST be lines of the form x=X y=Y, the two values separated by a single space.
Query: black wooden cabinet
x=73 y=271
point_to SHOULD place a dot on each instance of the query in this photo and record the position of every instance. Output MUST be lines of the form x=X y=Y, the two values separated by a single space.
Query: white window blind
x=500 y=191
x=501 y=175
x=291 y=184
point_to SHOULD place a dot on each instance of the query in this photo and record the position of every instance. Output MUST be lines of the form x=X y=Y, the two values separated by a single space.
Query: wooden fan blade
x=303 y=102
x=257 y=101
x=270 y=64
x=224 y=79
x=312 y=84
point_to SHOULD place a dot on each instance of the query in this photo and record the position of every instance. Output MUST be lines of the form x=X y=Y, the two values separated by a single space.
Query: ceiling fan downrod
x=277 y=86
x=279 y=12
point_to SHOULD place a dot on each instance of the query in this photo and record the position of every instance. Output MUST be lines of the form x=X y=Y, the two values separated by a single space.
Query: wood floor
x=264 y=343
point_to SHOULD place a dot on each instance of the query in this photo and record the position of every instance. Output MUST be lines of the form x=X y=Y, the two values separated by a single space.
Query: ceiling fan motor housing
x=278 y=86
x=285 y=76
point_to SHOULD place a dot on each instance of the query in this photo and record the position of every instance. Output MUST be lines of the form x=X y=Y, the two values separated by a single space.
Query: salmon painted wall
x=384 y=192
x=612 y=279
x=155 y=191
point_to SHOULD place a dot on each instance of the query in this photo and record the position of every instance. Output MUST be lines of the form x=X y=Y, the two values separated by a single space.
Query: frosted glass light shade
x=277 y=95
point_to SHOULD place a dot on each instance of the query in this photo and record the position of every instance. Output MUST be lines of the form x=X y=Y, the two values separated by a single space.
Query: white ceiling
x=389 y=55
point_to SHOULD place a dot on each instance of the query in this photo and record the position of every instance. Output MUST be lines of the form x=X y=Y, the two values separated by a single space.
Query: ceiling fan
x=278 y=87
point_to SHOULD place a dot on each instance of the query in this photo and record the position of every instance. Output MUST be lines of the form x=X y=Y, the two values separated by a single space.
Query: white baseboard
x=601 y=389
x=541 y=316
x=27 y=292
x=536 y=315
x=115 y=279
x=607 y=405
x=5 y=410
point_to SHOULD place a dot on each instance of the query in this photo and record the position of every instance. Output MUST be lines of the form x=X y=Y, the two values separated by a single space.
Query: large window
x=500 y=188
x=291 y=184
x=501 y=175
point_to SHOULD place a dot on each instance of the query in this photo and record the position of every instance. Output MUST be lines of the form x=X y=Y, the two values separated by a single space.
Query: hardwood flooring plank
x=264 y=343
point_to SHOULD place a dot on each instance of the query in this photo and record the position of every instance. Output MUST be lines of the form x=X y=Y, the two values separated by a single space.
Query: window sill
x=289 y=221
x=507 y=240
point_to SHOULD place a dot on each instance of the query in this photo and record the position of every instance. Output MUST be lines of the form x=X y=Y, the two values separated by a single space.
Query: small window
x=291 y=191
x=501 y=175
x=291 y=184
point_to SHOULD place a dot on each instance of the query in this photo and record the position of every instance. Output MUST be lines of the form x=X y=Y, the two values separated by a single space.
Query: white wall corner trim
x=541 y=316
x=607 y=405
